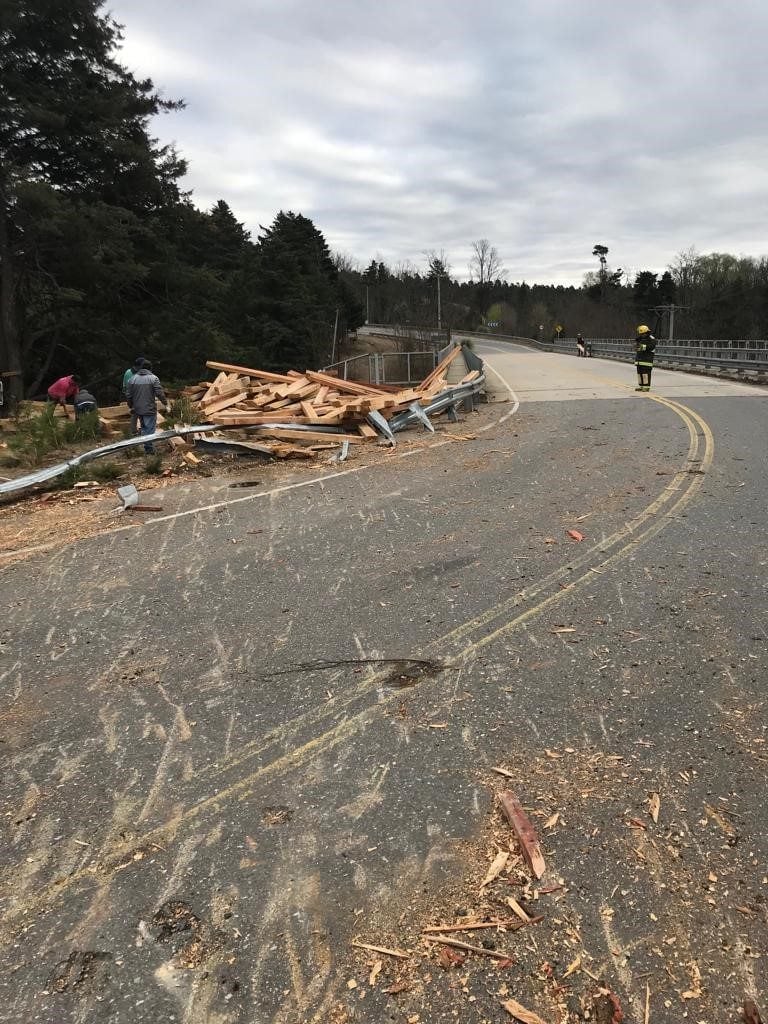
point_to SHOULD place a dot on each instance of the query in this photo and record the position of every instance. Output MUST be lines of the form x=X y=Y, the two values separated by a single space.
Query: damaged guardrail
x=448 y=400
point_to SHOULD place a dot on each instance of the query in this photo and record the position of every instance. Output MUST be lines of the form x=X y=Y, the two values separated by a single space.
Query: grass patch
x=38 y=436
x=106 y=471
x=67 y=480
x=183 y=412
x=154 y=465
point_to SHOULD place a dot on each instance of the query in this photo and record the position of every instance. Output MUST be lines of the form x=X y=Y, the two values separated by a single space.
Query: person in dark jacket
x=645 y=343
x=143 y=392
x=138 y=362
x=84 y=402
x=580 y=348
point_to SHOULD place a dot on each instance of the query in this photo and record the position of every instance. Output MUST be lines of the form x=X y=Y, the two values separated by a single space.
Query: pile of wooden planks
x=244 y=397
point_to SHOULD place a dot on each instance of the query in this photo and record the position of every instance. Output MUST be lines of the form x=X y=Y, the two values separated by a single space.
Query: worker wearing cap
x=142 y=393
x=138 y=362
x=645 y=343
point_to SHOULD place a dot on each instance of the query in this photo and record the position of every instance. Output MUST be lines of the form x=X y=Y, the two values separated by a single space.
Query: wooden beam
x=245 y=371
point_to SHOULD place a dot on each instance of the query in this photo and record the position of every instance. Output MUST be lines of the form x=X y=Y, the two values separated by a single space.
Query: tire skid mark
x=180 y=732
x=318 y=744
x=745 y=969
x=292 y=939
x=257 y=747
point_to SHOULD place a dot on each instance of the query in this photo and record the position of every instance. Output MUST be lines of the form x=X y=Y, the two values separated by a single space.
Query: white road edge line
x=277 y=490
x=331 y=476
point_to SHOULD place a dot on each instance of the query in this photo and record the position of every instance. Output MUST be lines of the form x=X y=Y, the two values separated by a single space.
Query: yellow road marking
x=331 y=738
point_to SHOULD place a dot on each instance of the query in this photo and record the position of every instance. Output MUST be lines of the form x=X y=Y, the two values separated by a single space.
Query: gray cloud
x=543 y=125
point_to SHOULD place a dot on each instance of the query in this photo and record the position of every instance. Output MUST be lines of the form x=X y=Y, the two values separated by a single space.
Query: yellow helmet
x=642 y=329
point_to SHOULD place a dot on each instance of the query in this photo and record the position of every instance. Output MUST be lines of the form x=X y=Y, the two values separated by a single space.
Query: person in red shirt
x=62 y=389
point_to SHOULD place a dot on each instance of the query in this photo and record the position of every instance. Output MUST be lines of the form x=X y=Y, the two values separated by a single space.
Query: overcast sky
x=545 y=126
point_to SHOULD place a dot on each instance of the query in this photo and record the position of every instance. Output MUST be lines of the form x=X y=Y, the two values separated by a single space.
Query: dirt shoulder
x=41 y=518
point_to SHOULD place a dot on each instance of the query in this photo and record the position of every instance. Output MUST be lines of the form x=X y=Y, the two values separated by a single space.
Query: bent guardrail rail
x=744 y=355
x=449 y=399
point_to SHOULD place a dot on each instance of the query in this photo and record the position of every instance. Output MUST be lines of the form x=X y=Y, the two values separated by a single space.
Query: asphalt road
x=251 y=732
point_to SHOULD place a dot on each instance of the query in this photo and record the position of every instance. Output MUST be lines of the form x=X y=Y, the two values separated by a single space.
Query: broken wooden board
x=519 y=1012
x=524 y=832
x=247 y=372
x=287 y=434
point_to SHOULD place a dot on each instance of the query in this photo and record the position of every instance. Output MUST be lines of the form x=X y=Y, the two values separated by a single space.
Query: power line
x=670 y=309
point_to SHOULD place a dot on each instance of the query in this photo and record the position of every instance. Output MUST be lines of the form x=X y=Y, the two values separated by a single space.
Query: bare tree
x=437 y=263
x=486 y=264
x=345 y=262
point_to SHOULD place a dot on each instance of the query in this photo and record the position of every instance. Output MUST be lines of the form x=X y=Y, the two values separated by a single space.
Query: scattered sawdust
x=551 y=967
x=37 y=520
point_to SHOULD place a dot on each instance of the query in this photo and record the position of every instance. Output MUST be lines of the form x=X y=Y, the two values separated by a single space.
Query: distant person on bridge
x=580 y=348
x=645 y=343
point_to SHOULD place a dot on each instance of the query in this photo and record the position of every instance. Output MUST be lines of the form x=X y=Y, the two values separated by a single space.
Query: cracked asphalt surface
x=235 y=740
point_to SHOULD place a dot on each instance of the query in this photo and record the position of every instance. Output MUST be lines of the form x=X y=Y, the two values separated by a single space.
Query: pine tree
x=296 y=291
x=75 y=157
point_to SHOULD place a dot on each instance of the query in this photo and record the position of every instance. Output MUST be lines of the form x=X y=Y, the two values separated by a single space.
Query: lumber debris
x=524 y=832
x=503 y=923
x=519 y=1012
x=445 y=940
x=751 y=1013
x=294 y=410
x=400 y=954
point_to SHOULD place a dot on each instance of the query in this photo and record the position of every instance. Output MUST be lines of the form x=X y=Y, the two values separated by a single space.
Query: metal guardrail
x=387 y=367
x=449 y=399
x=430 y=335
x=742 y=355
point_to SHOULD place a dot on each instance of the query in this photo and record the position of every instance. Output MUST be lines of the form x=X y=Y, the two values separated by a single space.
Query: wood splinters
x=524 y=831
x=519 y=1012
x=445 y=940
x=400 y=954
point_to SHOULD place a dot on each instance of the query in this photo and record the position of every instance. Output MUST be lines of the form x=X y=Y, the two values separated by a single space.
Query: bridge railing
x=743 y=354
x=387 y=367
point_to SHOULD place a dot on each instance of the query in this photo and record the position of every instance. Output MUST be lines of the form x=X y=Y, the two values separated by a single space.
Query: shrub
x=36 y=436
x=184 y=411
x=106 y=471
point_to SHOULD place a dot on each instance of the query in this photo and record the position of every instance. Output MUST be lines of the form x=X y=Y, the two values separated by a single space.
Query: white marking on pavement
x=330 y=476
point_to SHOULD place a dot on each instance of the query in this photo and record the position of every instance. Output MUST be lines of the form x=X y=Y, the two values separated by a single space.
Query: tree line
x=104 y=256
x=716 y=295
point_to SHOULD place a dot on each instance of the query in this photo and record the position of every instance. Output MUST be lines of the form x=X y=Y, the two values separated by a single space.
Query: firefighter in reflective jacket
x=645 y=343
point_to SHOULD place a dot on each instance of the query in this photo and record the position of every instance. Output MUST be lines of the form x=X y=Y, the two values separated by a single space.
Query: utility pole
x=367 y=305
x=670 y=310
x=335 y=329
x=439 y=318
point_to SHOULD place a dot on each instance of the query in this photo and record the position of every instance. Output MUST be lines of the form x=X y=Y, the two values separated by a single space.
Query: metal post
x=367 y=305
x=671 y=322
x=335 y=328
x=408 y=365
x=439 y=318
